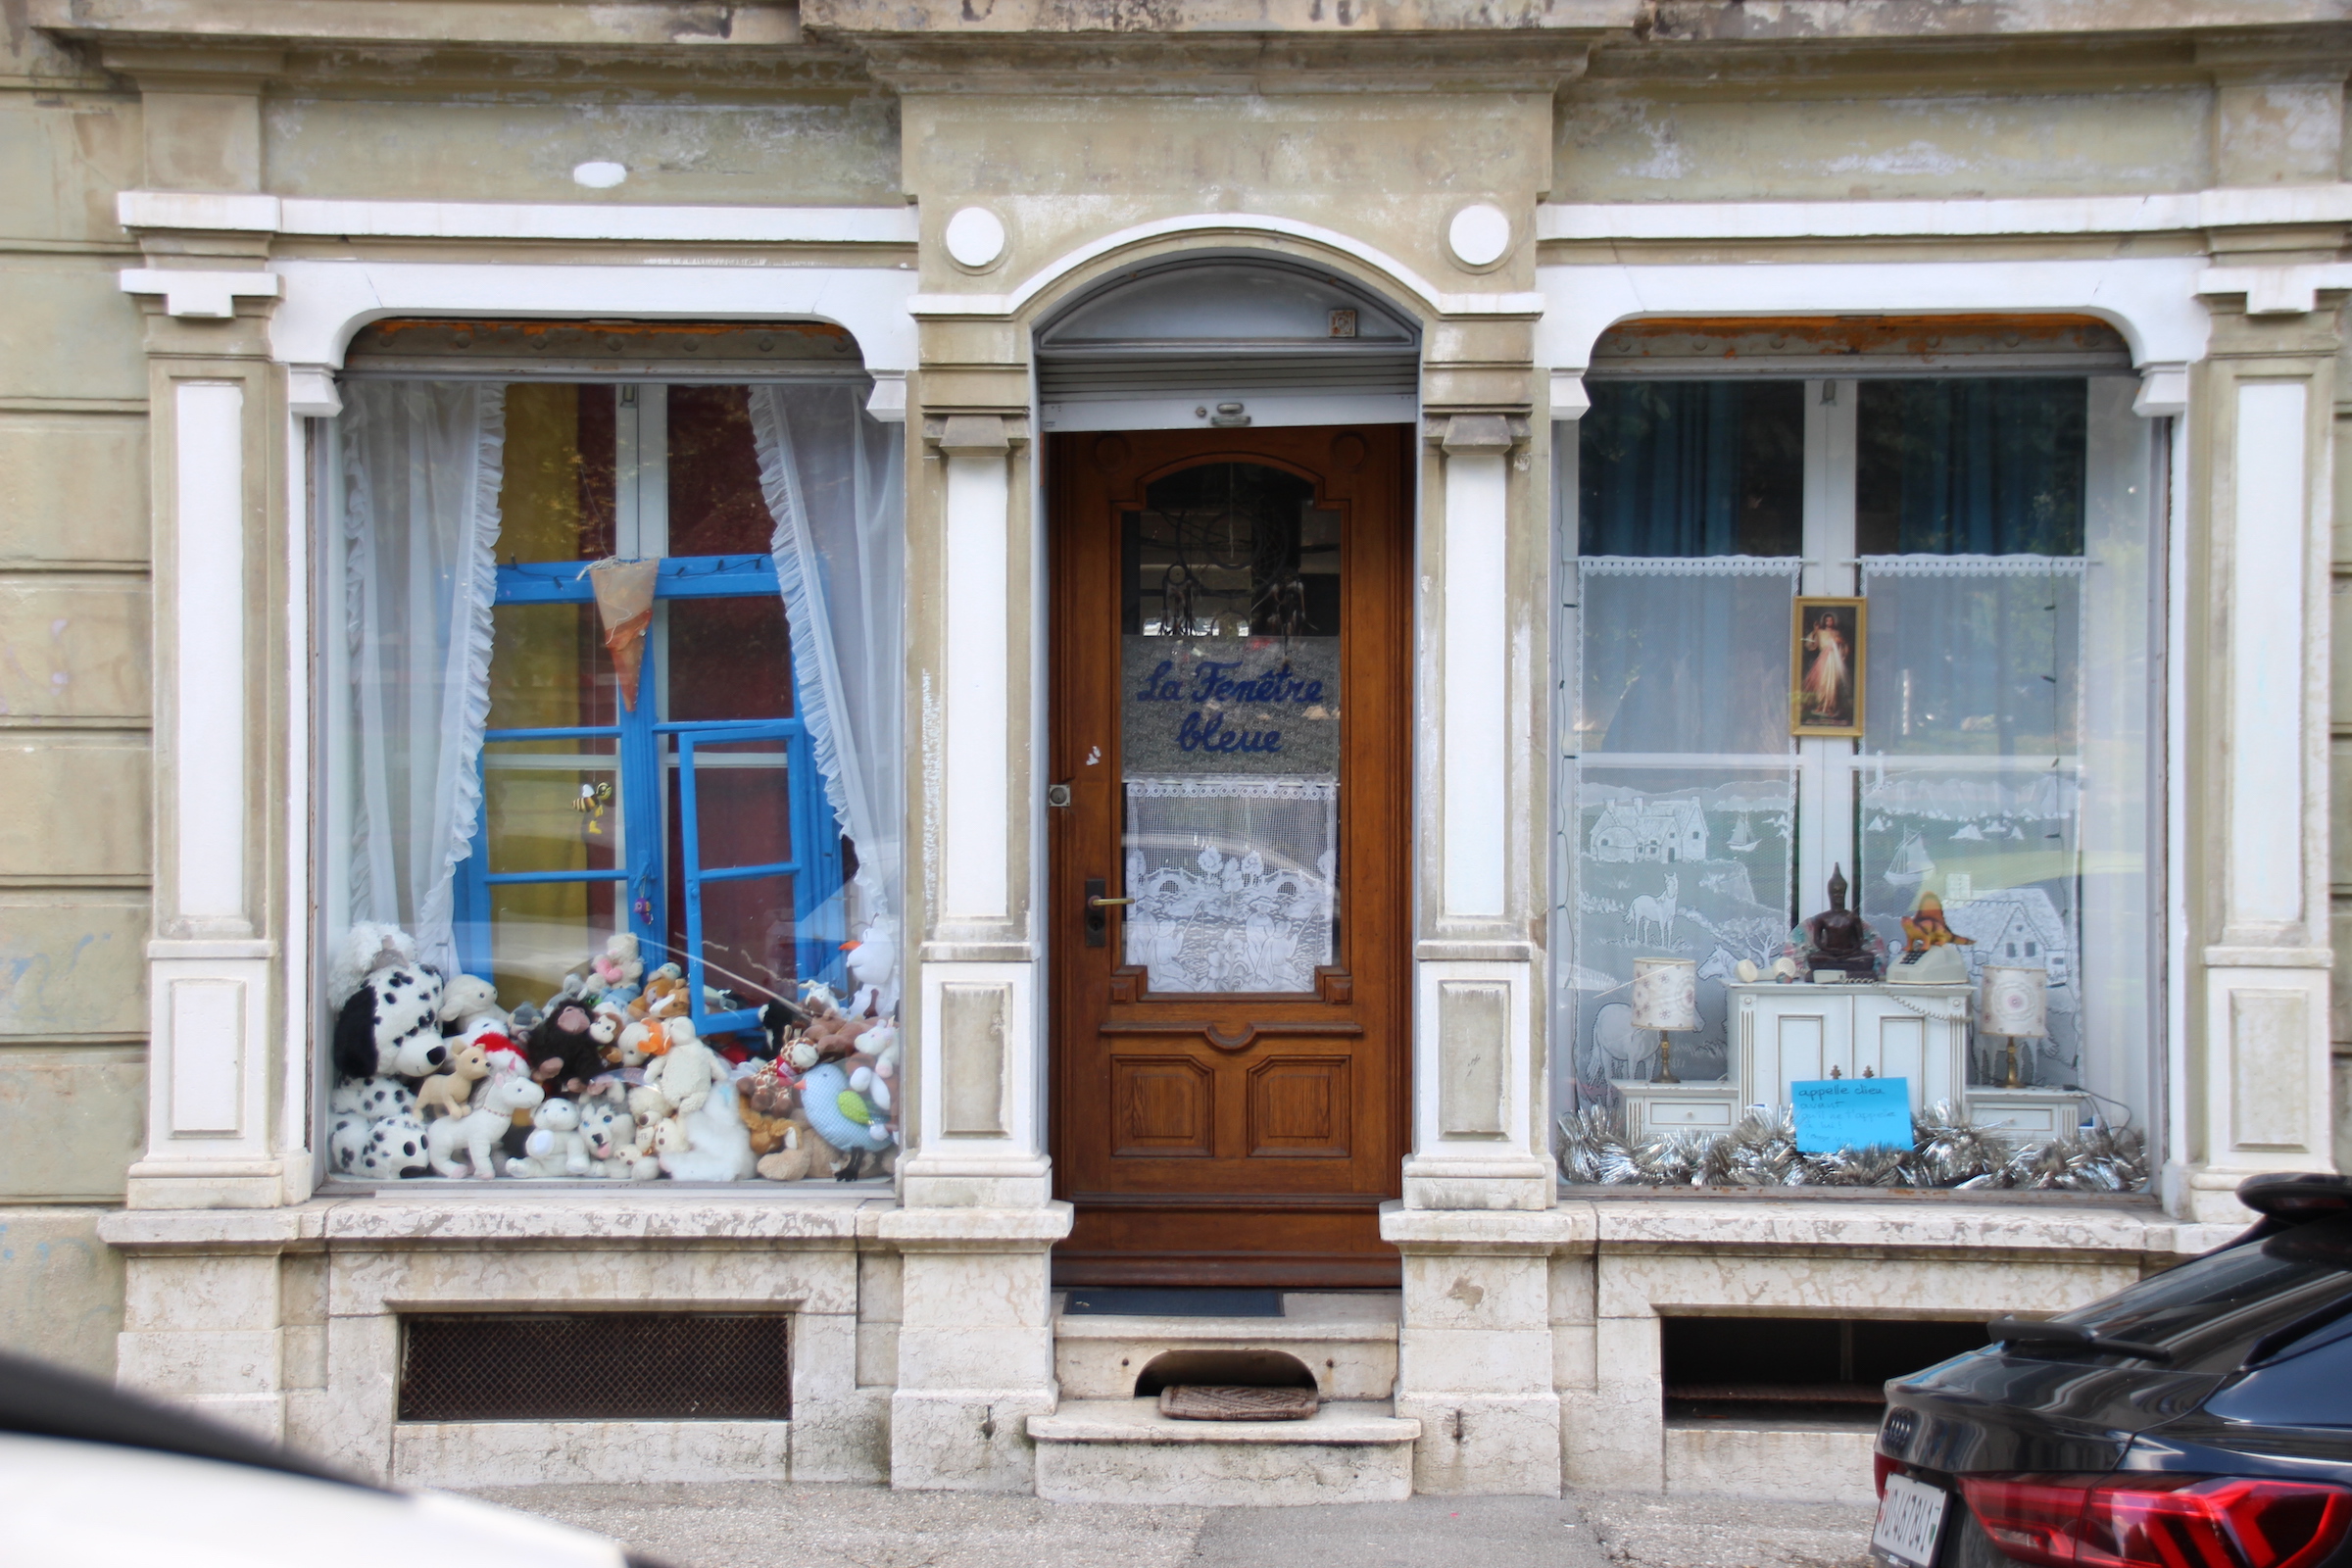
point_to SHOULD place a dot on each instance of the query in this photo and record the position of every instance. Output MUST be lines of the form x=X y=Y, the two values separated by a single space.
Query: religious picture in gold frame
x=1825 y=665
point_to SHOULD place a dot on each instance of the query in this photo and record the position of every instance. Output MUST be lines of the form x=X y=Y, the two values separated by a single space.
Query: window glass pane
x=1692 y=468
x=728 y=659
x=1691 y=863
x=1975 y=660
x=1230 y=740
x=1685 y=662
x=550 y=806
x=715 y=507
x=1989 y=466
x=555 y=497
x=548 y=668
x=742 y=811
x=1995 y=846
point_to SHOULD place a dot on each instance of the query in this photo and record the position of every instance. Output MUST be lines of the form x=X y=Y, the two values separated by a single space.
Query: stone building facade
x=1059 y=252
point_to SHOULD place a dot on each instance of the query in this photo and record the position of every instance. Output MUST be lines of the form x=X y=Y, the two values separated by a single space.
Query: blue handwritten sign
x=1230 y=704
x=1834 y=1113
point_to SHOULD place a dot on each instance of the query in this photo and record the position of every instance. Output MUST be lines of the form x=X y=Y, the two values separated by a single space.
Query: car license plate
x=1910 y=1518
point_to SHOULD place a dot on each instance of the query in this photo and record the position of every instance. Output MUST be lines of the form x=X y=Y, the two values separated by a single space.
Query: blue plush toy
x=833 y=1108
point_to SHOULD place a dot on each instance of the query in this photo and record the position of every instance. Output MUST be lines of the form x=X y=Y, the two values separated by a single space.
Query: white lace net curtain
x=1232 y=878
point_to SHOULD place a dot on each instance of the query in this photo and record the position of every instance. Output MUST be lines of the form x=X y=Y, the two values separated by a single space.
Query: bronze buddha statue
x=1837 y=938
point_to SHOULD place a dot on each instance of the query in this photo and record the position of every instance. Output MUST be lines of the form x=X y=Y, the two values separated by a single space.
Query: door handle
x=1097 y=925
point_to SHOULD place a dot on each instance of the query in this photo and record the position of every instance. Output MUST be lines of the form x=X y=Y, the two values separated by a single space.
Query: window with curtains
x=613 y=767
x=1999 y=528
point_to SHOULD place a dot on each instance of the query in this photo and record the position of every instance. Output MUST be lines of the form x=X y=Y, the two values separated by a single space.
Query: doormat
x=1194 y=1403
x=1142 y=1301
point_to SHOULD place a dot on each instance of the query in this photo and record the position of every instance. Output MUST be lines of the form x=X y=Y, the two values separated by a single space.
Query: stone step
x=1124 y=1450
x=1347 y=1339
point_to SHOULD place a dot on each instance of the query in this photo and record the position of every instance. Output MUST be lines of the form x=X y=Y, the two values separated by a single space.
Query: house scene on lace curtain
x=1857 y=783
x=615 y=753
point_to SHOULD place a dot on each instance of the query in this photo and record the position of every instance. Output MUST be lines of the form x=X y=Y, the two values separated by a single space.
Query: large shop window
x=1959 y=736
x=612 y=755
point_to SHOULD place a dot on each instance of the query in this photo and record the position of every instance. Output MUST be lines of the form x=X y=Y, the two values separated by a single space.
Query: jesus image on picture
x=1826 y=698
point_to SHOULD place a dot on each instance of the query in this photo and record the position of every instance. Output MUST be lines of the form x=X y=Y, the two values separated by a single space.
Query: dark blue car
x=2201 y=1418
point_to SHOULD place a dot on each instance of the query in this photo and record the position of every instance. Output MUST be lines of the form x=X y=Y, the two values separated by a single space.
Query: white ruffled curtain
x=832 y=478
x=421 y=465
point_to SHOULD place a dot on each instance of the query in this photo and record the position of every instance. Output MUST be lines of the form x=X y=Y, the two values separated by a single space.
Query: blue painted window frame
x=815 y=869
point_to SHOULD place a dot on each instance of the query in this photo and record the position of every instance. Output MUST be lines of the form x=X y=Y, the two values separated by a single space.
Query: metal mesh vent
x=596 y=1366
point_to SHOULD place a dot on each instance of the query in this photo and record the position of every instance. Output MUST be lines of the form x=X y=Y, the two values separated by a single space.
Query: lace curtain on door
x=1232 y=877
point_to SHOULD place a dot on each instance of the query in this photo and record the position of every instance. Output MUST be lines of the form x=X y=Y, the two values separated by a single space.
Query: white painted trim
x=208 y=785
x=1020 y=1151
x=328 y=301
x=888 y=399
x=2277 y=290
x=557 y=221
x=2267 y=550
x=2151 y=300
x=1474 y=813
x=977 y=801
x=2163 y=392
x=212 y=295
x=1199 y=224
x=1894 y=220
x=311 y=392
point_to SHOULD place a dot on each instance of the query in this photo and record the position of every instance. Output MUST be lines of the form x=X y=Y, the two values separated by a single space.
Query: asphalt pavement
x=749 y=1525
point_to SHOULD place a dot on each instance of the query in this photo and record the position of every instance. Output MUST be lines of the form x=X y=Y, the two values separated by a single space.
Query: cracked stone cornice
x=1191 y=63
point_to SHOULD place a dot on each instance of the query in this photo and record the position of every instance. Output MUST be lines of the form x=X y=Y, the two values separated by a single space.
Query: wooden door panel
x=1163 y=1107
x=1230 y=1107
x=1301 y=1108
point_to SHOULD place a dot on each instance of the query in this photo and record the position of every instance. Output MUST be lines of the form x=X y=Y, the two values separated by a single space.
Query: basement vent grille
x=596 y=1366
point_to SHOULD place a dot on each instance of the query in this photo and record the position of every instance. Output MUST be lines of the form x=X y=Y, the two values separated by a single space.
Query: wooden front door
x=1231 y=689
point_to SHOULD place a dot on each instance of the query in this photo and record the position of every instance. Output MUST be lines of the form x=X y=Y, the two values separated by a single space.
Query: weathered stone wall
x=416 y=132
x=73 y=697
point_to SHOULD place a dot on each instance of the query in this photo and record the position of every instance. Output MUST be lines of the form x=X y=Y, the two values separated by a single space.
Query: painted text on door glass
x=1230 y=730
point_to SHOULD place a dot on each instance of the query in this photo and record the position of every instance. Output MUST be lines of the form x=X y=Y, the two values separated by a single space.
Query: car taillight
x=1880 y=1467
x=2157 y=1521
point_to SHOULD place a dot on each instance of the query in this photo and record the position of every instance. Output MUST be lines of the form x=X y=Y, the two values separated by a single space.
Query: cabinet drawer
x=1669 y=1115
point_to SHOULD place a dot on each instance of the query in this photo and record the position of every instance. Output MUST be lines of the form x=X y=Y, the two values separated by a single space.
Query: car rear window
x=2209 y=1311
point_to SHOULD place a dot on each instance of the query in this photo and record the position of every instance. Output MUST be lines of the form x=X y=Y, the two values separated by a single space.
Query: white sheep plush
x=469 y=999
x=478 y=1131
x=688 y=1071
x=555 y=1146
x=711 y=1143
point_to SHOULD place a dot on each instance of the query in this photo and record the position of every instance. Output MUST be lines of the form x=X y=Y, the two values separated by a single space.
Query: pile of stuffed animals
x=608 y=1079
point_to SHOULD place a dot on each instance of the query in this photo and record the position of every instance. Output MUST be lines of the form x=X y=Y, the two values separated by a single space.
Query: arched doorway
x=1230 y=765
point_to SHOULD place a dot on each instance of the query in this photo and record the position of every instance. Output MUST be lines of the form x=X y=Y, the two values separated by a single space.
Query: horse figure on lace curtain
x=1646 y=912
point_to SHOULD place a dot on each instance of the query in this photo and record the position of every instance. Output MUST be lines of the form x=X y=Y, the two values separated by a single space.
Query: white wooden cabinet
x=1784 y=1034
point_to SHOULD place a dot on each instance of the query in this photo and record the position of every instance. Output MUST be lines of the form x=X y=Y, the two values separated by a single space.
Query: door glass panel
x=1230 y=730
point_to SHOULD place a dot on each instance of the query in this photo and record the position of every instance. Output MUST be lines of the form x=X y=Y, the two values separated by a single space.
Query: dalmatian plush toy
x=390 y=1022
x=375 y=1134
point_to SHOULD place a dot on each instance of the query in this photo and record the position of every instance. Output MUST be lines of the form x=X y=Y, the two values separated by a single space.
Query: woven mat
x=1194 y=1404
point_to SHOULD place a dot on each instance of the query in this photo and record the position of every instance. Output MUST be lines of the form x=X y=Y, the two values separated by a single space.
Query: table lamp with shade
x=2013 y=1002
x=1665 y=998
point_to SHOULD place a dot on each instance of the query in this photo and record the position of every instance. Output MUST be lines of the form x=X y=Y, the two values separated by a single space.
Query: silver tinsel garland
x=1946 y=1150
